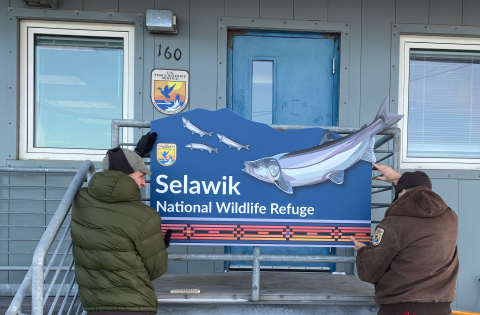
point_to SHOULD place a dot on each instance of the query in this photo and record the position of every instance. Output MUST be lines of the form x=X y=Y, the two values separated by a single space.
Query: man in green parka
x=118 y=245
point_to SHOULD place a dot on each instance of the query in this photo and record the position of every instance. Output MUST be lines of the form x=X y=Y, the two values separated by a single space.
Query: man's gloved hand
x=145 y=144
x=166 y=239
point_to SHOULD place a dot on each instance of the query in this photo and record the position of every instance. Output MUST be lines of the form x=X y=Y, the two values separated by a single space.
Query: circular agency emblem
x=166 y=153
x=169 y=91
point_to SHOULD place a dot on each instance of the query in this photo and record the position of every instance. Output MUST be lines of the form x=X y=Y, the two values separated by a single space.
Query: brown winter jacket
x=416 y=259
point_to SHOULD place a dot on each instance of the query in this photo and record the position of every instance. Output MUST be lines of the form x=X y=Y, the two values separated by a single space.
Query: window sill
x=49 y=163
x=446 y=174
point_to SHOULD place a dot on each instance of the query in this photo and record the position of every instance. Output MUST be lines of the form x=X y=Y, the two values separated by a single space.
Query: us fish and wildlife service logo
x=169 y=91
x=166 y=153
x=377 y=237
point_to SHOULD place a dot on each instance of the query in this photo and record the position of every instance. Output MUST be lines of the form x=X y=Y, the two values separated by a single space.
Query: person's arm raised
x=145 y=144
x=389 y=175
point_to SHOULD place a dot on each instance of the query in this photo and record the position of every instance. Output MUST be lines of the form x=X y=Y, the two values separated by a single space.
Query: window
x=75 y=78
x=262 y=91
x=440 y=99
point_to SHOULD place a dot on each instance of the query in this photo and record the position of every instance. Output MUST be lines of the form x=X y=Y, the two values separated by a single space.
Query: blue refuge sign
x=220 y=179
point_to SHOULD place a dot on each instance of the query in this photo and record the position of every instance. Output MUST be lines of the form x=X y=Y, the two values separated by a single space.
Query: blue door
x=284 y=78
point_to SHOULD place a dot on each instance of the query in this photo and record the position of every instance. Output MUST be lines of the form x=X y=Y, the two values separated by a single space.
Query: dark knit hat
x=124 y=160
x=412 y=179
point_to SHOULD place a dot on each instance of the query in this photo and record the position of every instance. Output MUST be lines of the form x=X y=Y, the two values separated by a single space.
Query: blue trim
x=336 y=81
x=230 y=77
x=333 y=253
x=290 y=34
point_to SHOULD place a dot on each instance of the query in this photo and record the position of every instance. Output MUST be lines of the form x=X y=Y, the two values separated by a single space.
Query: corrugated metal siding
x=3 y=77
x=26 y=218
x=4 y=179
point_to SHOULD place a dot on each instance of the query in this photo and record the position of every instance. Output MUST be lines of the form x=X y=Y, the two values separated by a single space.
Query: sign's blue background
x=349 y=201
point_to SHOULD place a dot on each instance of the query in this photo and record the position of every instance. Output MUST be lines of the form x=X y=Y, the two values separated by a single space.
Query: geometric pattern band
x=270 y=233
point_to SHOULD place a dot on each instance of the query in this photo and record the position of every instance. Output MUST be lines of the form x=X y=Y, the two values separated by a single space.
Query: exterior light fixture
x=161 y=22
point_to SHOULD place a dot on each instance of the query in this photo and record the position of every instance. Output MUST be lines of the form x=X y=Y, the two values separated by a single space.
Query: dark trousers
x=415 y=308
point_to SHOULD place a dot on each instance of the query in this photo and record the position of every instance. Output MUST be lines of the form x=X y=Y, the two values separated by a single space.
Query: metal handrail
x=251 y=257
x=36 y=274
x=38 y=170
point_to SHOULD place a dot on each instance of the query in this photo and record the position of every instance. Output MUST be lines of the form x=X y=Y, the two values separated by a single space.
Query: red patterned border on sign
x=281 y=233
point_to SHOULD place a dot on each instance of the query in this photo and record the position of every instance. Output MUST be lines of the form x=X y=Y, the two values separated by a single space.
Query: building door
x=284 y=78
x=468 y=285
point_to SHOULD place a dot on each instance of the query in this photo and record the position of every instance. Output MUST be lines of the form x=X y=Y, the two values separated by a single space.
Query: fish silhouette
x=232 y=143
x=166 y=90
x=194 y=129
x=201 y=147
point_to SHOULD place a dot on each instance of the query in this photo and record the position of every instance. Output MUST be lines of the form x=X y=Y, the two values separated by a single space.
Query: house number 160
x=177 y=54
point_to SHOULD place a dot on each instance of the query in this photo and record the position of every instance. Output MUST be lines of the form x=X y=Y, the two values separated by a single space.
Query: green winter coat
x=118 y=245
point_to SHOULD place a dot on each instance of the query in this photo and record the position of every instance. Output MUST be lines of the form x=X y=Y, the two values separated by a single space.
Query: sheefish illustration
x=326 y=161
x=194 y=129
x=201 y=147
x=232 y=143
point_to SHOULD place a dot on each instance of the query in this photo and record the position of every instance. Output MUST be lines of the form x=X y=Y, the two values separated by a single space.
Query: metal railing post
x=37 y=288
x=256 y=274
x=16 y=304
x=396 y=156
x=115 y=134
x=355 y=271
x=396 y=149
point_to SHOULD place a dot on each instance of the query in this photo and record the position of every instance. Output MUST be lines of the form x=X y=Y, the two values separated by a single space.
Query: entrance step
x=280 y=293
x=265 y=308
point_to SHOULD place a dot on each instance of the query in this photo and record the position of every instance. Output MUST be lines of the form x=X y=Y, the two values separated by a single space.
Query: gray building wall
x=369 y=79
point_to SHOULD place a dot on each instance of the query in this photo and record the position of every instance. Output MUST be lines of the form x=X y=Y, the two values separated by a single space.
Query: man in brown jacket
x=412 y=258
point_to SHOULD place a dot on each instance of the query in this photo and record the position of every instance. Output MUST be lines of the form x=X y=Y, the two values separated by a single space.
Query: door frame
x=226 y=23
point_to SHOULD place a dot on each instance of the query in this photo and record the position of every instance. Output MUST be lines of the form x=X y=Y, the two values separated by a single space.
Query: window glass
x=78 y=91
x=444 y=104
x=262 y=91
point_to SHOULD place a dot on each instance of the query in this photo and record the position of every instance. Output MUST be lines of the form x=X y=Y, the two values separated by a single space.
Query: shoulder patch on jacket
x=377 y=237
